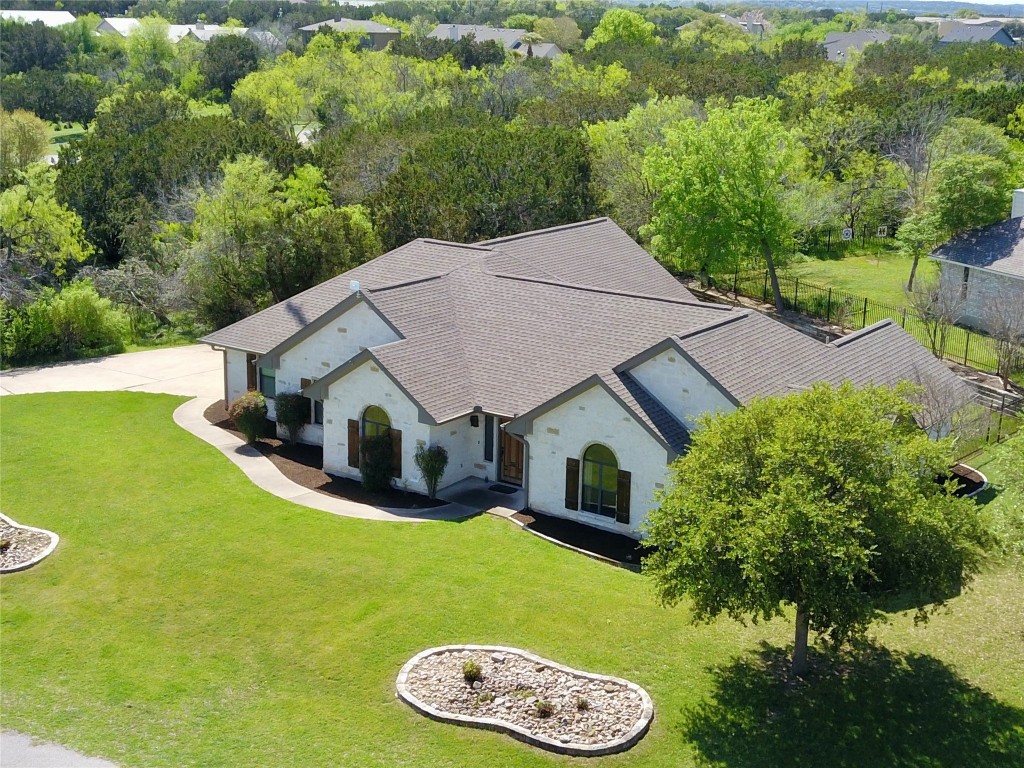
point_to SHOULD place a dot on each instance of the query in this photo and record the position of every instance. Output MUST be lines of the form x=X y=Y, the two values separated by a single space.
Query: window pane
x=609 y=479
x=318 y=411
x=591 y=473
x=591 y=499
x=602 y=454
x=608 y=504
x=268 y=382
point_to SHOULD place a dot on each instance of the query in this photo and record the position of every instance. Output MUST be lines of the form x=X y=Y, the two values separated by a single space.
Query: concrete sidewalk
x=20 y=751
x=193 y=370
x=261 y=470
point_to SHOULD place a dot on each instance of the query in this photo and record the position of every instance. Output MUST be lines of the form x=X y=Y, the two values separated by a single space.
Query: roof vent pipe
x=353 y=285
x=1017 y=211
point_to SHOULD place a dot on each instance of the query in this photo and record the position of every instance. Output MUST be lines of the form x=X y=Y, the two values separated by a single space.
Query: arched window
x=600 y=476
x=375 y=422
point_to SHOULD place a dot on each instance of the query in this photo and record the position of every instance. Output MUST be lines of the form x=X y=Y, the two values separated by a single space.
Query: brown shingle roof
x=507 y=325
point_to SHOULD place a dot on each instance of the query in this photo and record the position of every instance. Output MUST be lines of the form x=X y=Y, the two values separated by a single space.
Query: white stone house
x=987 y=266
x=566 y=361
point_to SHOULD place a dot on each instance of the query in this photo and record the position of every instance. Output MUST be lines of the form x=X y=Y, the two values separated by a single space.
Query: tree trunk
x=774 y=278
x=913 y=272
x=800 y=647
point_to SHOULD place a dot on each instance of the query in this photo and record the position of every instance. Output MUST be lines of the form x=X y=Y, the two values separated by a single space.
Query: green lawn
x=878 y=275
x=58 y=138
x=190 y=619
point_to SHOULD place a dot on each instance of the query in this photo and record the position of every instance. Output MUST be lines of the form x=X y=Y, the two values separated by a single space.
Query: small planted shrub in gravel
x=249 y=412
x=5 y=544
x=544 y=708
x=292 y=410
x=471 y=671
x=582 y=704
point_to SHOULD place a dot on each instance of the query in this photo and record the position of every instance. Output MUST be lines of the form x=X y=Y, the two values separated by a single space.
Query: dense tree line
x=465 y=140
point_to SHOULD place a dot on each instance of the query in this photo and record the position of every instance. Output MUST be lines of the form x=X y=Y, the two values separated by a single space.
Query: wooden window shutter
x=353 y=443
x=250 y=372
x=572 y=483
x=303 y=383
x=622 y=497
x=396 y=452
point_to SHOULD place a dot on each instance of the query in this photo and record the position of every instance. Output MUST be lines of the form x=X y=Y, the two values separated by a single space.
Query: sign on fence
x=847 y=233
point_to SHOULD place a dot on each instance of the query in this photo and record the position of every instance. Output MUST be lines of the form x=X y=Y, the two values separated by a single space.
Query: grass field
x=59 y=138
x=189 y=619
x=878 y=275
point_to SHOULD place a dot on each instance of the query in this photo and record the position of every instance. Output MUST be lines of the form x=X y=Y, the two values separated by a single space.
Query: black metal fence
x=839 y=239
x=991 y=419
x=852 y=312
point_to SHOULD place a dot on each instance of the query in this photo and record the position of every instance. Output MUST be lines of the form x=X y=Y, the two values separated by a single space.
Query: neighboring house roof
x=48 y=18
x=977 y=33
x=507 y=37
x=352 y=25
x=998 y=247
x=540 y=50
x=123 y=26
x=838 y=43
x=207 y=33
x=511 y=325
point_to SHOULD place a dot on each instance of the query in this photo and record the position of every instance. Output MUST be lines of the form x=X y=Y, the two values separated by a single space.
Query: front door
x=512 y=453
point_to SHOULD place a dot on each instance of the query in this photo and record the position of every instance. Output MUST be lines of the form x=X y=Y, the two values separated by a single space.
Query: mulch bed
x=303 y=464
x=614 y=546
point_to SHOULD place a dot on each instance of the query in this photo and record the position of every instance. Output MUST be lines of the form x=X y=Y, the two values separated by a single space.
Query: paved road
x=20 y=751
x=194 y=370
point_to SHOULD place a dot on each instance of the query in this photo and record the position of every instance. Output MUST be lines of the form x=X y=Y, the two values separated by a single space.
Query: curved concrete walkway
x=20 y=751
x=262 y=472
x=197 y=371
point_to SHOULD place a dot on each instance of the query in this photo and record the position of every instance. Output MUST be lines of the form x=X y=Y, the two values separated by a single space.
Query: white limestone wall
x=465 y=445
x=982 y=285
x=331 y=346
x=566 y=431
x=236 y=377
x=348 y=397
x=680 y=387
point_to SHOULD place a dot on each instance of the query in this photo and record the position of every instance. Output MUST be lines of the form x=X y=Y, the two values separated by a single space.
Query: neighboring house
x=373 y=35
x=959 y=32
x=510 y=39
x=752 y=23
x=565 y=360
x=116 y=25
x=985 y=262
x=48 y=18
x=838 y=44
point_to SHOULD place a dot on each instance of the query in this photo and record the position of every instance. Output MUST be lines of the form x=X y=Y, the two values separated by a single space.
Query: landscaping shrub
x=432 y=463
x=5 y=544
x=582 y=704
x=74 y=322
x=471 y=671
x=249 y=412
x=292 y=413
x=544 y=708
x=376 y=462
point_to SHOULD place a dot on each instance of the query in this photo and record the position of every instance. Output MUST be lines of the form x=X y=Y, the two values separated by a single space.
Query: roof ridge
x=712 y=324
x=405 y=283
x=547 y=230
x=611 y=292
x=865 y=331
x=451 y=243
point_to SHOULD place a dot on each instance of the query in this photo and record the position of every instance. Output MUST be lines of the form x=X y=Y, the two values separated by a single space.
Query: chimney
x=200 y=25
x=1018 y=204
x=453 y=33
x=353 y=285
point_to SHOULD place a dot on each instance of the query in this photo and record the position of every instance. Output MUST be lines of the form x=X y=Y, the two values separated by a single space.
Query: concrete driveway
x=195 y=370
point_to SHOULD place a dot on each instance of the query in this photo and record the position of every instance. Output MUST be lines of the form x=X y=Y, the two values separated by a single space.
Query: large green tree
x=260 y=238
x=23 y=140
x=226 y=59
x=824 y=501
x=727 y=190
x=471 y=184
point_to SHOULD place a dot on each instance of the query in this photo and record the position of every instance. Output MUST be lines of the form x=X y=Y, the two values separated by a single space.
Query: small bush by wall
x=376 y=462
x=432 y=463
x=249 y=412
x=292 y=411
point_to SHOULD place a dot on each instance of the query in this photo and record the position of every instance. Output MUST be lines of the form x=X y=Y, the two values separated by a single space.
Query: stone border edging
x=54 y=540
x=984 y=481
x=621 y=744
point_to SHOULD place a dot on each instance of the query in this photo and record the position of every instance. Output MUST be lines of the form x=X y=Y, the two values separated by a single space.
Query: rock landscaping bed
x=531 y=698
x=23 y=546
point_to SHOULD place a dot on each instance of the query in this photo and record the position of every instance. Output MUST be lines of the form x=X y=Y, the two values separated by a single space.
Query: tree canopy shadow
x=866 y=708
